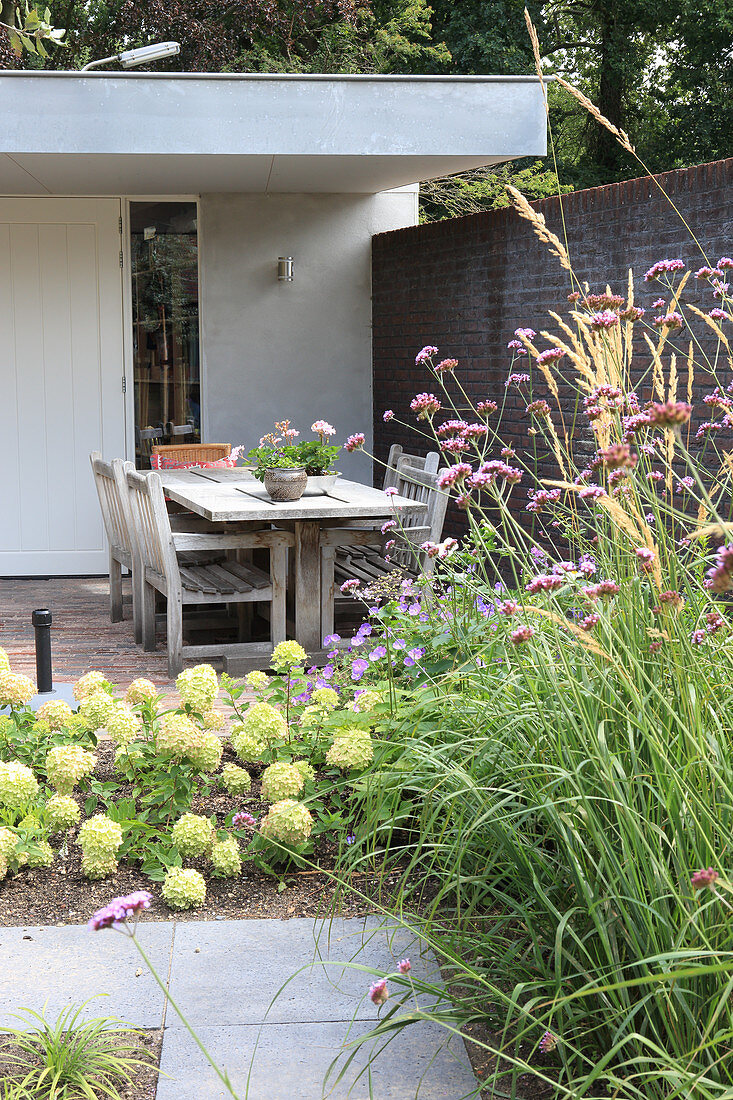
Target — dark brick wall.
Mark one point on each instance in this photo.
(466, 284)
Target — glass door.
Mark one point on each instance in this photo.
(165, 324)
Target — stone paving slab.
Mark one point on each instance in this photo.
(231, 970)
(291, 1061)
(63, 966)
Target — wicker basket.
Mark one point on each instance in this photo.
(192, 452)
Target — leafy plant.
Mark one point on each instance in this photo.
(74, 1058)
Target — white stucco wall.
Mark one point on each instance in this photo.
(299, 350)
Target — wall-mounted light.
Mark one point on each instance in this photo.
(285, 268)
(143, 55)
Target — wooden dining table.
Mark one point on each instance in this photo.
(234, 496)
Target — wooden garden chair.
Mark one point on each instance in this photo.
(111, 485)
(352, 554)
(214, 582)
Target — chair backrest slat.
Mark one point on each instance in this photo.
(421, 485)
(113, 503)
(152, 525)
(398, 460)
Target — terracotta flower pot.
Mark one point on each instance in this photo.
(285, 484)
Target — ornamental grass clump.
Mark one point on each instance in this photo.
(287, 822)
(99, 838)
(226, 859)
(236, 780)
(281, 781)
(63, 813)
(184, 888)
(193, 835)
(67, 765)
(18, 785)
(560, 762)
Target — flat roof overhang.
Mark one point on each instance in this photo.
(100, 133)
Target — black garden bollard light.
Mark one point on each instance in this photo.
(41, 620)
(47, 689)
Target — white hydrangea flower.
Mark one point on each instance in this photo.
(225, 858)
(257, 681)
(287, 654)
(204, 750)
(63, 813)
(18, 785)
(42, 856)
(176, 733)
(307, 772)
(236, 780)
(325, 698)
(281, 781)
(96, 708)
(8, 844)
(15, 690)
(91, 681)
(56, 714)
(213, 719)
(66, 765)
(184, 888)
(198, 686)
(140, 691)
(192, 835)
(99, 839)
(352, 750)
(4, 661)
(288, 822)
(123, 725)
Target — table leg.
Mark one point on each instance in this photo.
(308, 585)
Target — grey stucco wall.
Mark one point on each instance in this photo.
(299, 350)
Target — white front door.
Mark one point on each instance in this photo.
(61, 368)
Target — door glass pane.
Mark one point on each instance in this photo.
(165, 319)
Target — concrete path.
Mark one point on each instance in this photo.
(273, 1001)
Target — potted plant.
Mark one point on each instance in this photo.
(278, 464)
(318, 456)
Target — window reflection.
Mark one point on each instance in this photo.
(165, 315)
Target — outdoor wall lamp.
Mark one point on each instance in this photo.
(130, 59)
(285, 267)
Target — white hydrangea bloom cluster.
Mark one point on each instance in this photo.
(205, 750)
(41, 856)
(140, 691)
(18, 785)
(99, 838)
(56, 714)
(198, 686)
(4, 661)
(287, 654)
(325, 699)
(8, 843)
(236, 780)
(15, 690)
(91, 681)
(365, 702)
(96, 708)
(262, 727)
(175, 734)
(66, 765)
(213, 719)
(193, 835)
(281, 781)
(123, 725)
(288, 822)
(352, 750)
(184, 888)
(307, 772)
(256, 681)
(226, 859)
(63, 813)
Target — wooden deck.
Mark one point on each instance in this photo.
(82, 635)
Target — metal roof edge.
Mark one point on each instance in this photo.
(304, 77)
